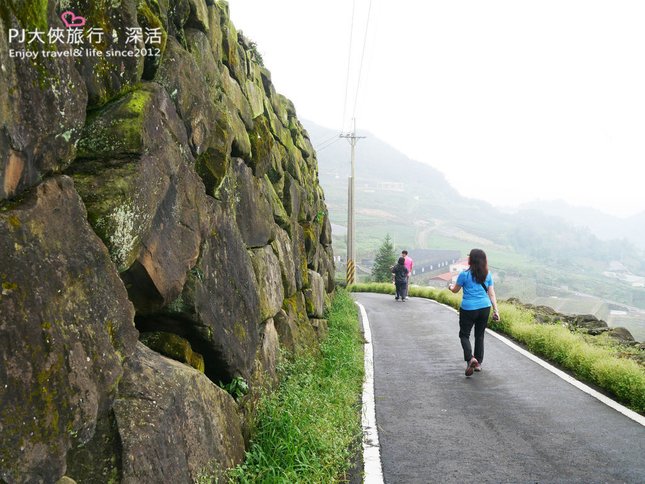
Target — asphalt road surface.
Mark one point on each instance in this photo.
(514, 422)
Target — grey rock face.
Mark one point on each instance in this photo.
(189, 208)
(65, 326)
(189, 423)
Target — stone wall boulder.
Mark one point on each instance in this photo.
(294, 328)
(218, 310)
(253, 210)
(173, 423)
(200, 220)
(143, 196)
(173, 346)
(282, 247)
(269, 353)
(315, 295)
(65, 327)
(187, 87)
(268, 274)
(39, 125)
(107, 77)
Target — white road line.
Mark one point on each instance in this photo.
(568, 378)
(372, 468)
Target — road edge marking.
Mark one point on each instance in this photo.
(372, 466)
(636, 417)
(569, 379)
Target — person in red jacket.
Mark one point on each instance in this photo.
(408, 264)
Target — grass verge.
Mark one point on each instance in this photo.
(598, 363)
(308, 429)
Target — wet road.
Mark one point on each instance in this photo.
(515, 422)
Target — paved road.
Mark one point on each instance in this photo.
(515, 422)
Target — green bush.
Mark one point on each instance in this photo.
(596, 363)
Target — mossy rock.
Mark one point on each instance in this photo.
(299, 256)
(219, 307)
(233, 54)
(173, 422)
(215, 31)
(186, 86)
(143, 195)
(108, 77)
(315, 295)
(212, 166)
(255, 95)
(107, 190)
(295, 332)
(173, 346)
(269, 276)
(253, 210)
(149, 20)
(311, 233)
(234, 98)
(262, 143)
(200, 49)
(42, 105)
(198, 17)
(116, 130)
(276, 171)
(67, 313)
(280, 215)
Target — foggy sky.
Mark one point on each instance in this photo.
(512, 101)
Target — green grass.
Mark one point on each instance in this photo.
(598, 362)
(309, 428)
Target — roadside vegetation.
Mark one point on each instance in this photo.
(309, 428)
(595, 360)
(384, 260)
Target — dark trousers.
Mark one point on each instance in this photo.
(401, 289)
(468, 319)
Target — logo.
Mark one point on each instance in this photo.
(80, 40)
(71, 20)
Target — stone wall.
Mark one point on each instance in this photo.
(171, 200)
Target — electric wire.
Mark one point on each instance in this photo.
(318, 150)
(322, 142)
(360, 68)
(349, 59)
(328, 143)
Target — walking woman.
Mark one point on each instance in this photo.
(400, 279)
(478, 296)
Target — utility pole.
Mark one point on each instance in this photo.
(351, 225)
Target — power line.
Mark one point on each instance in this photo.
(328, 145)
(349, 59)
(320, 143)
(329, 142)
(360, 69)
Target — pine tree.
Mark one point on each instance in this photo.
(385, 259)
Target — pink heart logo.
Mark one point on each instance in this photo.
(70, 19)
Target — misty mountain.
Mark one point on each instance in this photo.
(545, 250)
(395, 186)
(397, 189)
(603, 225)
(376, 161)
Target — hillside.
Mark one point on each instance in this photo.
(535, 253)
(602, 225)
(395, 191)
